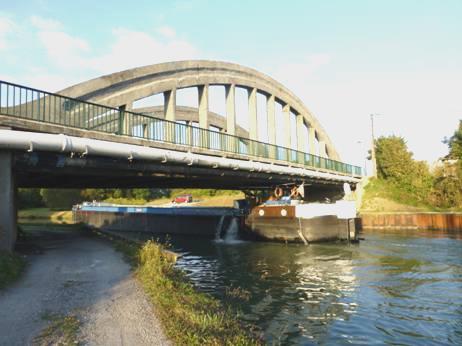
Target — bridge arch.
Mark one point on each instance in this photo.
(123, 88)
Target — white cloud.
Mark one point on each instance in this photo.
(167, 31)
(134, 48)
(63, 49)
(62, 58)
(7, 26)
(45, 24)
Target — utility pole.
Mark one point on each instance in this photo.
(373, 159)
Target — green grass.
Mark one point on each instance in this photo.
(189, 317)
(11, 267)
(62, 330)
(203, 195)
(45, 215)
(126, 201)
(391, 198)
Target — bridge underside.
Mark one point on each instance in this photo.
(42, 169)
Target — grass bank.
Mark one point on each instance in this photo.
(380, 196)
(11, 267)
(189, 317)
(62, 330)
(44, 216)
(201, 197)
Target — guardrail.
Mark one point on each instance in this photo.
(28, 103)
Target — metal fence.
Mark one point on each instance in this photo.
(28, 103)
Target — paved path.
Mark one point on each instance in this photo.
(85, 276)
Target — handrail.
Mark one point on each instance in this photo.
(29, 103)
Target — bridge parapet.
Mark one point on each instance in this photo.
(33, 104)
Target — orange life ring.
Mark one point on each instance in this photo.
(278, 192)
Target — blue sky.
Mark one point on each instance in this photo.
(344, 59)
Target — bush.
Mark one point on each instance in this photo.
(447, 192)
(396, 166)
(29, 198)
(60, 199)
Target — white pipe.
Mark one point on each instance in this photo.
(33, 141)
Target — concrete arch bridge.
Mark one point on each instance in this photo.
(93, 134)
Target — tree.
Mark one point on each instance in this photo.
(447, 192)
(29, 198)
(61, 199)
(396, 166)
(455, 144)
(394, 160)
(141, 194)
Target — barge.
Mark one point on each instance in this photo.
(312, 222)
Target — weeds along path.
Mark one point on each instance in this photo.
(77, 289)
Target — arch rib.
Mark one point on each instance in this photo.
(127, 86)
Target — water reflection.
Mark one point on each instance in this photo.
(393, 288)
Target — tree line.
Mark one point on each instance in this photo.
(413, 182)
(66, 198)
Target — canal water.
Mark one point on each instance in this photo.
(399, 288)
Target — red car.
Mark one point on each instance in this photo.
(183, 199)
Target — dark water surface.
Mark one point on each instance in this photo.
(395, 288)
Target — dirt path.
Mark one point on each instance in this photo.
(85, 276)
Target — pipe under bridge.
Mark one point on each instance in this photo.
(52, 140)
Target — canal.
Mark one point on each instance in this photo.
(393, 288)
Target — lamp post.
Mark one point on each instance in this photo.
(373, 159)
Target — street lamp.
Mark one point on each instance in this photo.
(373, 159)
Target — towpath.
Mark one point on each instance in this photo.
(81, 275)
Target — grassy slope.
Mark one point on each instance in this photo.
(189, 317)
(382, 197)
(201, 197)
(44, 215)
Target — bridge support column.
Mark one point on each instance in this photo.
(271, 116)
(252, 95)
(312, 138)
(203, 93)
(301, 134)
(124, 120)
(169, 114)
(286, 128)
(230, 91)
(170, 105)
(8, 210)
(322, 149)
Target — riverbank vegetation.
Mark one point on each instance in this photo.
(64, 199)
(410, 185)
(44, 216)
(189, 317)
(11, 267)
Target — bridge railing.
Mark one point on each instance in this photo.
(28, 103)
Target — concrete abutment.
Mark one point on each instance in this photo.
(8, 202)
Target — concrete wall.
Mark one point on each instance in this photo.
(8, 207)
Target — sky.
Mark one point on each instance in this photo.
(400, 60)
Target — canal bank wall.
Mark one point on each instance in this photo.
(412, 221)
(172, 220)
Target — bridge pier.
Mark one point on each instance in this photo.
(8, 205)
